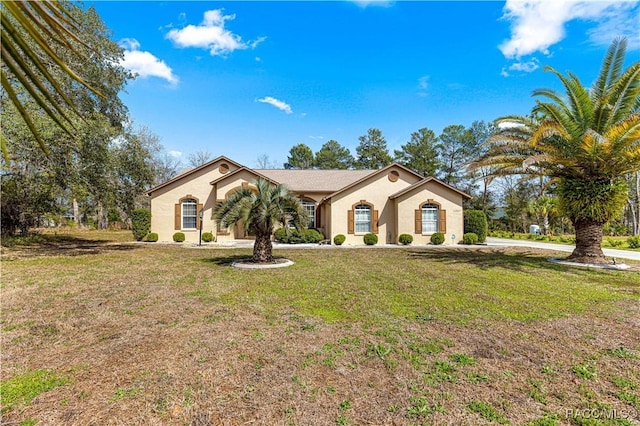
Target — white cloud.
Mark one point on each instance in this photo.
(537, 25)
(423, 85)
(367, 3)
(175, 154)
(212, 35)
(621, 20)
(423, 82)
(521, 67)
(145, 64)
(509, 125)
(528, 66)
(316, 137)
(283, 106)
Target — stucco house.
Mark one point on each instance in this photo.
(391, 201)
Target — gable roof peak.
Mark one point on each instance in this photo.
(188, 172)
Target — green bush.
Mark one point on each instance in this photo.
(207, 237)
(470, 238)
(370, 239)
(152, 237)
(405, 239)
(614, 229)
(313, 235)
(297, 237)
(280, 235)
(339, 239)
(140, 223)
(615, 243)
(178, 237)
(437, 238)
(475, 221)
(634, 242)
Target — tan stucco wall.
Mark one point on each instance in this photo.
(333, 214)
(449, 200)
(375, 190)
(196, 184)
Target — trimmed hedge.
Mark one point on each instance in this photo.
(437, 238)
(634, 242)
(294, 236)
(140, 223)
(179, 237)
(207, 237)
(339, 239)
(476, 221)
(370, 239)
(152, 237)
(405, 239)
(470, 238)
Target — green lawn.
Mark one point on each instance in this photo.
(100, 331)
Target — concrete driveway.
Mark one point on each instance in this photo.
(505, 242)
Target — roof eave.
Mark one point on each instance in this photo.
(189, 172)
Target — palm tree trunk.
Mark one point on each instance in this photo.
(262, 248)
(588, 242)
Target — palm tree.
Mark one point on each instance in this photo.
(543, 207)
(260, 210)
(585, 142)
(28, 28)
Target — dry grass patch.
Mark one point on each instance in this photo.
(149, 334)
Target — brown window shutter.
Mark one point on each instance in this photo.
(318, 221)
(374, 225)
(418, 220)
(177, 217)
(442, 221)
(198, 219)
(350, 222)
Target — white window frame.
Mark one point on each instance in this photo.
(184, 214)
(363, 216)
(430, 225)
(310, 208)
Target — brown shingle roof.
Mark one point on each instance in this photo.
(314, 180)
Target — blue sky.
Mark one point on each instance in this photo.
(248, 79)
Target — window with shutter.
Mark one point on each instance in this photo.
(362, 218)
(429, 218)
(189, 214)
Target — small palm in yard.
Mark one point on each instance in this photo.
(259, 211)
(585, 142)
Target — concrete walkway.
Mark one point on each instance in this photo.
(505, 242)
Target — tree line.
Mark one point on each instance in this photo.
(77, 159)
(445, 156)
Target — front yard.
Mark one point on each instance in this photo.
(119, 333)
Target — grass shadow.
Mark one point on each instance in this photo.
(225, 260)
(60, 245)
(490, 258)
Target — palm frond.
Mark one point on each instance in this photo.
(625, 95)
(580, 106)
(610, 69)
(26, 27)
